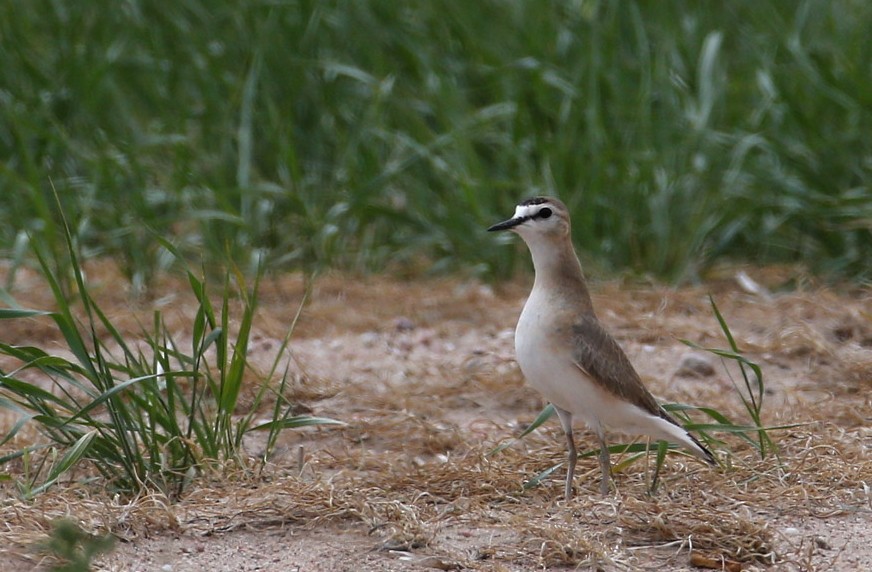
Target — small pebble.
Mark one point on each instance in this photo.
(474, 364)
(369, 339)
(695, 365)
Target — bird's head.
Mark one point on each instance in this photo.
(536, 218)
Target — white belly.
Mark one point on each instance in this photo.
(549, 368)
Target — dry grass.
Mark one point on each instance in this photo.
(406, 503)
(428, 388)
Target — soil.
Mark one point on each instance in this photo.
(423, 375)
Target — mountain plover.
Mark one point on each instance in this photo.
(567, 355)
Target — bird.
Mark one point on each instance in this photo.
(566, 354)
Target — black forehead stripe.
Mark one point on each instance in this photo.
(534, 201)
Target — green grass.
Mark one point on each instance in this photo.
(148, 412)
(366, 135)
(73, 548)
(751, 392)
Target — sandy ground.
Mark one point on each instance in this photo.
(423, 374)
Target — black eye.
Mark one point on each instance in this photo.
(544, 213)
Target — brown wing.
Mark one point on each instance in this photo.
(598, 354)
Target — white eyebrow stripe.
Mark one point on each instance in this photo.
(527, 211)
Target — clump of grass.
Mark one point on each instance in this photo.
(751, 392)
(143, 413)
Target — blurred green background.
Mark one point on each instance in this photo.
(373, 135)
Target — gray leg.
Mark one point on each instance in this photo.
(605, 465)
(566, 422)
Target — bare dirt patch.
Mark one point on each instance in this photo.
(423, 373)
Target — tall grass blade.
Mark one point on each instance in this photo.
(13, 313)
(662, 449)
(537, 480)
(294, 422)
(754, 388)
(543, 416)
(70, 458)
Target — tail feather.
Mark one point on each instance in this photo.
(698, 449)
(707, 455)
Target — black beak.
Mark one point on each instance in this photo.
(507, 224)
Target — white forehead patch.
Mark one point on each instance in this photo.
(522, 211)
